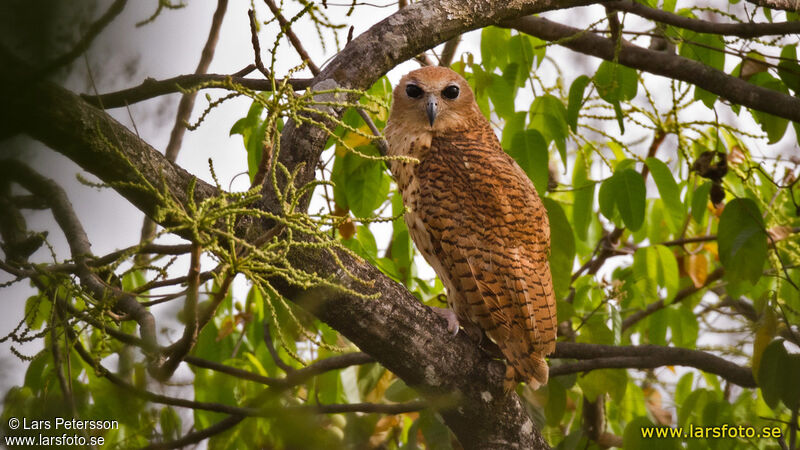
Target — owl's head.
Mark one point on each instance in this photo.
(433, 98)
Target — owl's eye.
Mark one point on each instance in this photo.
(450, 92)
(413, 91)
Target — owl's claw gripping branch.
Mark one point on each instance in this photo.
(450, 317)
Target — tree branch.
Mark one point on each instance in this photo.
(187, 100)
(786, 5)
(593, 356)
(151, 88)
(673, 66)
(199, 435)
(296, 43)
(80, 247)
(743, 30)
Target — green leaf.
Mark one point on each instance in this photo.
(615, 82)
(360, 184)
(624, 192)
(656, 266)
(774, 126)
(549, 117)
(37, 310)
(513, 125)
(690, 410)
(742, 240)
(778, 374)
(170, 423)
(670, 193)
(556, 403)
(402, 253)
(598, 382)
(399, 392)
(708, 98)
(494, 45)
(582, 206)
(789, 69)
(606, 198)
(436, 434)
(529, 150)
(684, 387)
(562, 247)
(520, 51)
(576, 91)
(684, 326)
(705, 48)
(502, 95)
(700, 202)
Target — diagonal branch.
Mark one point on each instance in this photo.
(187, 100)
(669, 65)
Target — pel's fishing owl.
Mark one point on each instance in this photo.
(476, 218)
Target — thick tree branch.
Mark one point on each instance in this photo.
(593, 356)
(786, 5)
(743, 30)
(673, 66)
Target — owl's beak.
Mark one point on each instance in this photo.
(432, 109)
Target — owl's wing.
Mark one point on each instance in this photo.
(491, 235)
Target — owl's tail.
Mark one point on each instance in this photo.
(532, 369)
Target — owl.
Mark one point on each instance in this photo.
(476, 218)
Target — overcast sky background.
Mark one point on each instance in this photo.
(123, 55)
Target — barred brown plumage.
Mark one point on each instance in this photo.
(476, 218)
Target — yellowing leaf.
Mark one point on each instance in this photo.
(711, 247)
(696, 267)
(765, 331)
(353, 140)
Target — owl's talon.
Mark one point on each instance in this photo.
(450, 317)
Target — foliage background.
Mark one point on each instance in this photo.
(615, 154)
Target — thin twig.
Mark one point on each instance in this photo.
(256, 45)
(296, 43)
(191, 315)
